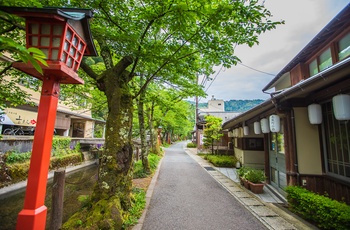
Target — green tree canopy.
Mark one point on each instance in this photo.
(212, 131)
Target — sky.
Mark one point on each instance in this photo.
(303, 20)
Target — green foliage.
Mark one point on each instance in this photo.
(221, 160)
(19, 171)
(77, 147)
(153, 160)
(138, 204)
(242, 171)
(191, 145)
(85, 201)
(32, 55)
(255, 176)
(61, 146)
(16, 157)
(212, 131)
(325, 212)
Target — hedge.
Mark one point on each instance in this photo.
(221, 160)
(323, 211)
(19, 171)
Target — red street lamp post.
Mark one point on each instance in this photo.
(64, 36)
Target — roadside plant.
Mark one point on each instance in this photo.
(191, 145)
(255, 176)
(322, 210)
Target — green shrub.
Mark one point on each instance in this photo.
(60, 144)
(191, 145)
(221, 160)
(138, 204)
(325, 212)
(255, 176)
(153, 161)
(242, 171)
(17, 157)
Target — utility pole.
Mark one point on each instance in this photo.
(196, 120)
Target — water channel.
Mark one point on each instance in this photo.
(79, 182)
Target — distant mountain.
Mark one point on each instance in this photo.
(241, 105)
(235, 105)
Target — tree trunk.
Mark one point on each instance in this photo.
(152, 132)
(144, 151)
(111, 195)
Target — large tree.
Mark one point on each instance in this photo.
(171, 40)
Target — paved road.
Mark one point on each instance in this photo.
(186, 197)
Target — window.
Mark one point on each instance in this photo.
(321, 63)
(337, 139)
(313, 68)
(325, 60)
(344, 47)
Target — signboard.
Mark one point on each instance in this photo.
(12, 116)
(4, 119)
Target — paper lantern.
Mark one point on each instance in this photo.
(246, 130)
(274, 123)
(315, 114)
(264, 124)
(257, 128)
(341, 107)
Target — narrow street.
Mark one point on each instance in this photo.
(186, 197)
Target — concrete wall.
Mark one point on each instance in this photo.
(24, 144)
(254, 159)
(308, 144)
(17, 145)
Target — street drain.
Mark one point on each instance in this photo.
(209, 168)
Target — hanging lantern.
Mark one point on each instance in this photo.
(229, 134)
(315, 114)
(257, 128)
(264, 124)
(341, 107)
(274, 123)
(246, 130)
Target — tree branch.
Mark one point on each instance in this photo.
(110, 19)
(106, 54)
(5, 69)
(150, 23)
(87, 69)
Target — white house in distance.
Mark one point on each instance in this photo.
(216, 107)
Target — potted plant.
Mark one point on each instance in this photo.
(256, 179)
(241, 173)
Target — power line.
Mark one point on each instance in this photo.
(214, 78)
(256, 69)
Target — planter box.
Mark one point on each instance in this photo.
(246, 184)
(256, 188)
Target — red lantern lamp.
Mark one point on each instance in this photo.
(64, 36)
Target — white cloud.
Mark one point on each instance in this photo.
(303, 20)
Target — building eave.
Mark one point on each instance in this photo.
(330, 30)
